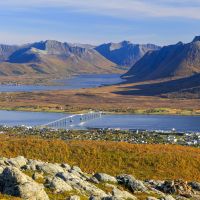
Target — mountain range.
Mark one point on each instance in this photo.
(170, 66)
(175, 68)
(125, 53)
(54, 57)
(173, 61)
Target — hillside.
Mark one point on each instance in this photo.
(142, 161)
(52, 57)
(173, 61)
(125, 53)
(30, 179)
(187, 87)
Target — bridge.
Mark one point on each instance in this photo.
(72, 121)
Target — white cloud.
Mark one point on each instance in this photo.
(119, 8)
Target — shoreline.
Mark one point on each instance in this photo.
(144, 112)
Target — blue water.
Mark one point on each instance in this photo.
(77, 82)
(148, 122)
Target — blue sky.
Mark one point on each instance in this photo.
(97, 21)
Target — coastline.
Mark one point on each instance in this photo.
(136, 112)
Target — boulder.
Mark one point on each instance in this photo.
(75, 197)
(32, 164)
(15, 183)
(1, 169)
(37, 176)
(181, 198)
(93, 180)
(81, 185)
(65, 166)
(102, 177)
(103, 198)
(58, 185)
(77, 169)
(153, 183)
(123, 195)
(168, 197)
(17, 162)
(49, 168)
(3, 161)
(178, 187)
(152, 198)
(131, 183)
(195, 185)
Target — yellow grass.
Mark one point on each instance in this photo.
(142, 161)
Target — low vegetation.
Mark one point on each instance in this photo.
(108, 99)
(142, 161)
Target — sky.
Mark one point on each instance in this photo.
(160, 22)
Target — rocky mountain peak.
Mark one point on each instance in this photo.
(196, 39)
(125, 42)
(178, 60)
(125, 53)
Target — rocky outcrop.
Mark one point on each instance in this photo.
(178, 187)
(44, 179)
(58, 185)
(15, 183)
(131, 183)
(102, 177)
(195, 185)
(80, 184)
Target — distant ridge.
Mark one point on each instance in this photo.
(125, 53)
(52, 57)
(173, 61)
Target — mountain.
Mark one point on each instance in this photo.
(125, 53)
(53, 57)
(173, 61)
(6, 51)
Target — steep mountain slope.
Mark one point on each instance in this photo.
(53, 57)
(125, 53)
(174, 61)
(6, 51)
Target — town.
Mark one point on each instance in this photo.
(116, 135)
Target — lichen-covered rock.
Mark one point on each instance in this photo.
(58, 185)
(74, 197)
(77, 169)
(93, 180)
(65, 166)
(131, 183)
(15, 183)
(18, 162)
(50, 168)
(168, 197)
(1, 169)
(32, 164)
(37, 176)
(81, 185)
(104, 198)
(123, 195)
(102, 177)
(152, 198)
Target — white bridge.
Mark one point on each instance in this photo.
(72, 121)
